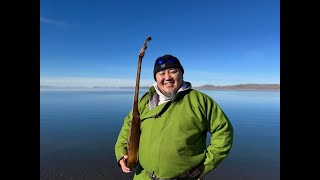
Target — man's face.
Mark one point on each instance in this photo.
(169, 81)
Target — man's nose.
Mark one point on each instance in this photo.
(167, 76)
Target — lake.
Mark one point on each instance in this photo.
(79, 127)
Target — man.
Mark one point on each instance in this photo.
(175, 120)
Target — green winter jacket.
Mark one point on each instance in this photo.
(174, 141)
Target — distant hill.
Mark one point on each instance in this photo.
(241, 87)
(204, 87)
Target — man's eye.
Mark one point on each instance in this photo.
(173, 71)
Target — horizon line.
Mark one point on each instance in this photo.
(147, 86)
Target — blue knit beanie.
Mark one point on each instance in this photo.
(165, 62)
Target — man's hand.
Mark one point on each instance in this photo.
(197, 172)
(123, 162)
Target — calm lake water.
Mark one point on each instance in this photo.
(78, 130)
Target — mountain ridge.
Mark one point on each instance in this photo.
(204, 87)
(240, 87)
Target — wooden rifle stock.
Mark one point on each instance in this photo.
(134, 132)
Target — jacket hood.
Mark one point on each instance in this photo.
(156, 97)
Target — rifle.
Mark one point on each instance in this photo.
(134, 134)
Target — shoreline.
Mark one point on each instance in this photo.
(251, 87)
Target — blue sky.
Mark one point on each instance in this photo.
(219, 42)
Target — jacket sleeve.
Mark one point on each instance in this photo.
(122, 141)
(221, 140)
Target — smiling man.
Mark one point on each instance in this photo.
(175, 120)
(168, 74)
